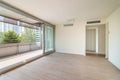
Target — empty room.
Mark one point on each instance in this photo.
(59, 39)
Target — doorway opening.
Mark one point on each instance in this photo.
(96, 39)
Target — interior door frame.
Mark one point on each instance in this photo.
(106, 37)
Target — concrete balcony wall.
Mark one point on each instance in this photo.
(8, 51)
(13, 49)
(35, 46)
(24, 48)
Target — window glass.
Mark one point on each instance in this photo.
(48, 38)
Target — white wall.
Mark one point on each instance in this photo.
(101, 39)
(114, 38)
(71, 39)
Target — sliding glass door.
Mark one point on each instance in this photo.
(49, 38)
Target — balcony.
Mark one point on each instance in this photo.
(9, 62)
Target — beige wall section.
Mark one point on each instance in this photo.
(91, 39)
(101, 39)
(107, 40)
(114, 38)
(71, 39)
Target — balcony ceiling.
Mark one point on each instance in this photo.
(59, 11)
(8, 13)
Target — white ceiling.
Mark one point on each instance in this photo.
(59, 11)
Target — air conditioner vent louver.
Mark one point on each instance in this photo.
(68, 25)
(92, 22)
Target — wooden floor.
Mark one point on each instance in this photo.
(65, 67)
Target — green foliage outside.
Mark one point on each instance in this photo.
(28, 36)
(1, 37)
(11, 37)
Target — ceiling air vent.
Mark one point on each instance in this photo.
(68, 25)
(92, 22)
